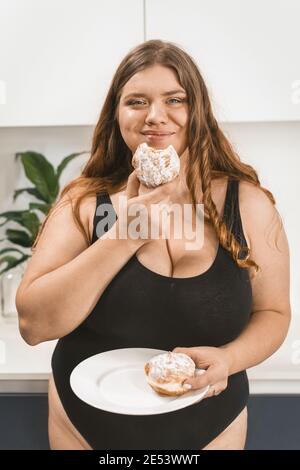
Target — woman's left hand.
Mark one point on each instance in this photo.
(217, 365)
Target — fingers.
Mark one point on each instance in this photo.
(192, 352)
(170, 188)
(211, 369)
(215, 389)
(212, 391)
(133, 184)
(202, 378)
(162, 192)
(210, 378)
(199, 381)
(155, 197)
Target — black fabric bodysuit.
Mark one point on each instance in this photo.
(144, 309)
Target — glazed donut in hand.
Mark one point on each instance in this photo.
(166, 373)
(155, 167)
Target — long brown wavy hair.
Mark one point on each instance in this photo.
(210, 153)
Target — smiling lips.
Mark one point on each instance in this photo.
(157, 134)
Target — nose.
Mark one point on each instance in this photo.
(156, 114)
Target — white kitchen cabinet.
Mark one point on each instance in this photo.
(57, 57)
(248, 52)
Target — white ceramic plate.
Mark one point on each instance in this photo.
(115, 381)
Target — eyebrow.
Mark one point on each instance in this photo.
(167, 93)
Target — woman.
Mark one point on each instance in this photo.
(226, 305)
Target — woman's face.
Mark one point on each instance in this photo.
(154, 108)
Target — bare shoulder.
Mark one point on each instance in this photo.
(252, 196)
(64, 208)
(87, 211)
(269, 249)
(258, 213)
(61, 240)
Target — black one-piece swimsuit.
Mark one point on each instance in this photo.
(144, 309)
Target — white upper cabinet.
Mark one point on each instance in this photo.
(57, 57)
(247, 51)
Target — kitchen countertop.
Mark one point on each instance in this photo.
(25, 368)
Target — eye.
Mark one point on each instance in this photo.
(135, 102)
(138, 102)
(176, 99)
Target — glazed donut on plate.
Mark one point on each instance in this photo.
(155, 167)
(166, 373)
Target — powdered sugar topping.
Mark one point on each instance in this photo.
(155, 167)
(171, 365)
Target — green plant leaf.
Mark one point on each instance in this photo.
(12, 262)
(45, 208)
(65, 162)
(5, 250)
(19, 237)
(15, 216)
(33, 191)
(31, 221)
(25, 218)
(41, 173)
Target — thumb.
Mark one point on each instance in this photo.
(133, 184)
(200, 380)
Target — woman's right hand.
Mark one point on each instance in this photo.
(137, 208)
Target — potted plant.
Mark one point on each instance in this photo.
(45, 189)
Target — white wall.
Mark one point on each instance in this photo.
(273, 149)
(57, 57)
(248, 52)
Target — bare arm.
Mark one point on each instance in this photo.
(65, 278)
(271, 314)
(271, 311)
